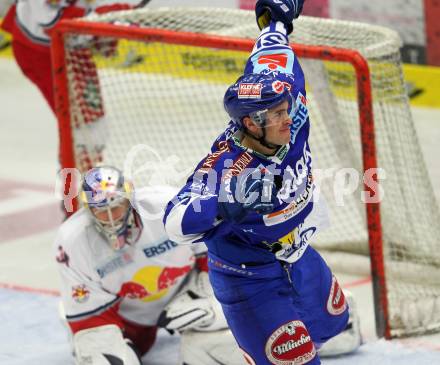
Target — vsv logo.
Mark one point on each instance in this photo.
(267, 40)
(296, 176)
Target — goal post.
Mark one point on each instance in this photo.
(145, 82)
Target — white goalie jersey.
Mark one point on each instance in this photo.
(138, 280)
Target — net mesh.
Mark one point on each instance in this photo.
(153, 109)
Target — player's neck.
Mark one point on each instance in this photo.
(253, 144)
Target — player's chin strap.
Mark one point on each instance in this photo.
(262, 140)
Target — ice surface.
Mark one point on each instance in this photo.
(31, 333)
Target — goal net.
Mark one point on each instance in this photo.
(143, 90)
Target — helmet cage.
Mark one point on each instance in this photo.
(114, 230)
(107, 198)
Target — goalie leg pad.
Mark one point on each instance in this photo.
(103, 345)
(350, 338)
(210, 348)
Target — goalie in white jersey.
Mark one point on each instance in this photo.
(120, 271)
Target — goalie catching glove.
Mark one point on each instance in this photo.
(197, 315)
(194, 307)
(283, 11)
(103, 345)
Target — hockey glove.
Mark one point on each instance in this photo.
(103, 345)
(194, 307)
(283, 11)
(248, 194)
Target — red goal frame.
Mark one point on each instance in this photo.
(364, 99)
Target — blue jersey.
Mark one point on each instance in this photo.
(193, 215)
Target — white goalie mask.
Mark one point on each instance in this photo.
(107, 196)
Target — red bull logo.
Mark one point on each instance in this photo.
(153, 282)
(106, 185)
(103, 189)
(80, 293)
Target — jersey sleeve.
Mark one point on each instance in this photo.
(192, 213)
(272, 54)
(150, 202)
(86, 303)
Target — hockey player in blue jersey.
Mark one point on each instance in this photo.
(251, 201)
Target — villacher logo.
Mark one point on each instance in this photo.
(290, 344)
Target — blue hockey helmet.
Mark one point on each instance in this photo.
(106, 194)
(253, 95)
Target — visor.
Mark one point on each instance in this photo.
(275, 115)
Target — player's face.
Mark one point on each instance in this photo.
(278, 125)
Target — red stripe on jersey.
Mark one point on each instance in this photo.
(110, 316)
